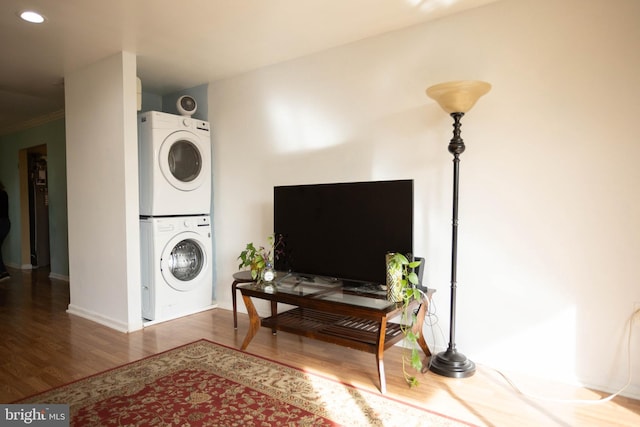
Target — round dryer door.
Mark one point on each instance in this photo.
(183, 261)
(182, 161)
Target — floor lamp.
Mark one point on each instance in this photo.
(456, 98)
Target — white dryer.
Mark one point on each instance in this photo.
(176, 262)
(174, 155)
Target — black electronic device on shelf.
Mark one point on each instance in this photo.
(343, 230)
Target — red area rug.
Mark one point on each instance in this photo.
(207, 384)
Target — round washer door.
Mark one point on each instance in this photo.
(182, 161)
(184, 260)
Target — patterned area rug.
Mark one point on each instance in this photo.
(207, 384)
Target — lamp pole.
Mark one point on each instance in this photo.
(450, 363)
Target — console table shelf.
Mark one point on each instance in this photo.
(348, 331)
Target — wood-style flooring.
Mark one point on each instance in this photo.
(42, 346)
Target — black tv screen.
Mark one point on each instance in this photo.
(343, 230)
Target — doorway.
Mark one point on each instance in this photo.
(34, 206)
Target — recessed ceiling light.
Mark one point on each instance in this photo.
(31, 16)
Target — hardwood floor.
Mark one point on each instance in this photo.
(43, 347)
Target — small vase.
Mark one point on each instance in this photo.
(394, 281)
(268, 273)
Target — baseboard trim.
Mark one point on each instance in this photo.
(633, 391)
(146, 323)
(98, 318)
(59, 277)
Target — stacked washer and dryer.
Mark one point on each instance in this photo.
(174, 155)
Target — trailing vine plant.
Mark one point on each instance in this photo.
(410, 292)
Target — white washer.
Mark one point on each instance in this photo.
(176, 262)
(174, 155)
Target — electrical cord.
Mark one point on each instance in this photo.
(586, 401)
(608, 398)
(431, 320)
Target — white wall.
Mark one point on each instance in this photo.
(549, 208)
(102, 187)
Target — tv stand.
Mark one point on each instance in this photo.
(331, 313)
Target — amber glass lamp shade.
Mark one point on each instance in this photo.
(458, 96)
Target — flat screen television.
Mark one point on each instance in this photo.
(343, 230)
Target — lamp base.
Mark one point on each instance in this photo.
(452, 364)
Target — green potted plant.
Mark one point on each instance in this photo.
(402, 287)
(259, 258)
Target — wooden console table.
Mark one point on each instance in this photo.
(327, 311)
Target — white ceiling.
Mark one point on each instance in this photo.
(179, 43)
